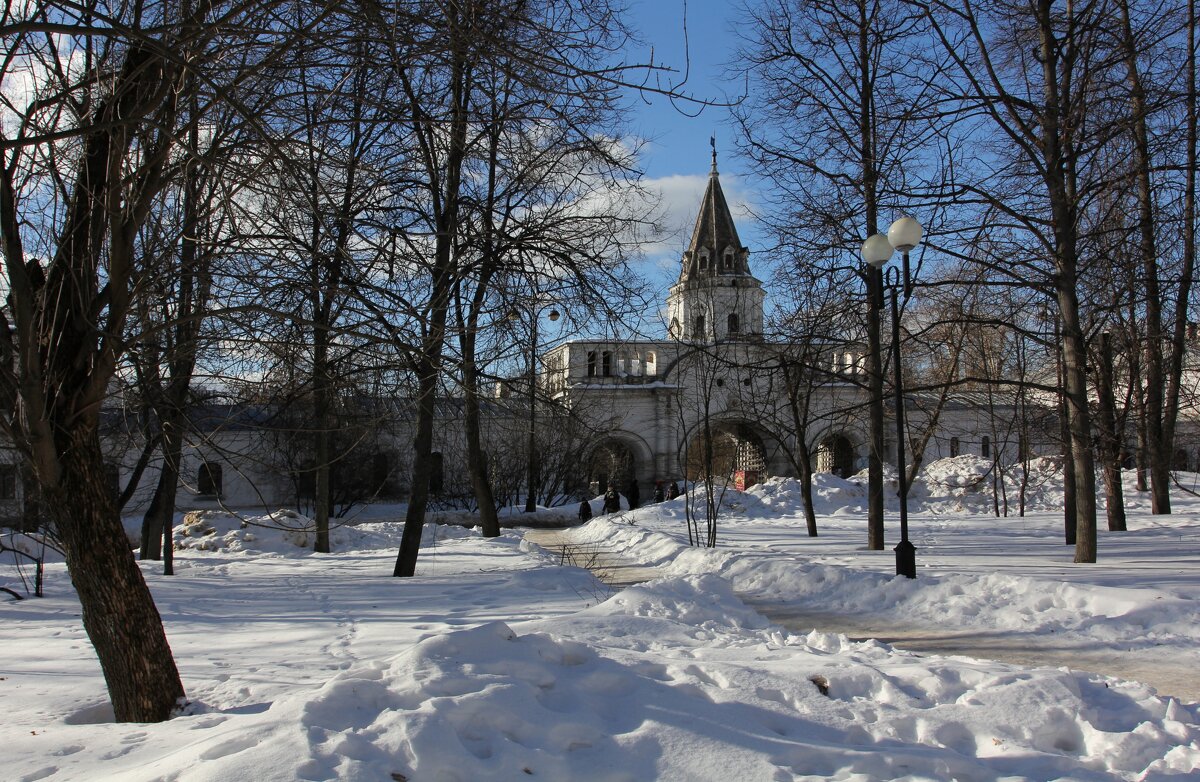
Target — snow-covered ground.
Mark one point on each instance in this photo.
(495, 663)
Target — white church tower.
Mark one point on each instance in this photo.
(716, 297)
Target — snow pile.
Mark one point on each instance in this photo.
(661, 688)
(289, 533)
(495, 663)
(1129, 618)
(972, 484)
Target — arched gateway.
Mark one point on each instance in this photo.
(612, 461)
(735, 448)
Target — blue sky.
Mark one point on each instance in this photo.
(677, 156)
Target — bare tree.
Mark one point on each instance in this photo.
(95, 141)
(833, 126)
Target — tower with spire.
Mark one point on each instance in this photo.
(716, 297)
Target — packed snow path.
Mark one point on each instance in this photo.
(1159, 667)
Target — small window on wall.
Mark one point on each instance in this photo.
(8, 482)
(591, 358)
(651, 364)
(704, 260)
(606, 359)
(985, 449)
(209, 479)
(733, 324)
(954, 446)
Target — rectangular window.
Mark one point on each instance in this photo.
(8, 482)
(437, 475)
(208, 480)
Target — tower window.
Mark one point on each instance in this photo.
(607, 363)
(591, 363)
(699, 326)
(732, 324)
(704, 260)
(727, 261)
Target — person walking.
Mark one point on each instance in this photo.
(585, 512)
(612, 500)
(658, 492)
(633, 494)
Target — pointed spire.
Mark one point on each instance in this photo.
(715, 234)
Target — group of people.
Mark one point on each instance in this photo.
(633, 496)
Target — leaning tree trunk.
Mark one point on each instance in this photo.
(117, 610)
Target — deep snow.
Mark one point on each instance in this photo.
(495, 663)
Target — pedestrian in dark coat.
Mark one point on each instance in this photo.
(612, 500)
(658, 492)
(673, 491)
(585, 511)
(633, 494)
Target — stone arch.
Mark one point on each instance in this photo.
(616, 458)
(835, 454)
(735, 446)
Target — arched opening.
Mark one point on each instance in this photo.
(732, 325)
(735, 447)
(612, 461)
(208, 479)
(699, 332)
(836, 455)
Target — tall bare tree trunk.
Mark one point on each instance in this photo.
(428, 363)
(870, 179)
(1179, 339)
(1110, 438)
(481, 484)
(1158, 448)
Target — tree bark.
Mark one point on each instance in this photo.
(118, 612)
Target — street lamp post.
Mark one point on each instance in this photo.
(903, 235)
(530, 473)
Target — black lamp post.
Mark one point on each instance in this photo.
(903, 235)
(530, 473)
